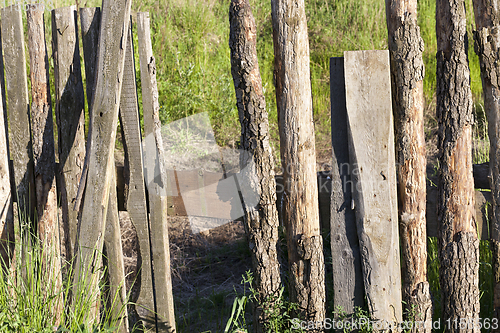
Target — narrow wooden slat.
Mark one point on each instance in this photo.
(135, 199)
(372, 156)
(105, 104)
(18, 108)
(346, 257)
(116, 267)
(157, 199)
(70, 116)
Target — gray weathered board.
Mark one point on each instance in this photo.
(70, 116)
(105, 104)
(372, 157)
(135, 196)
(346, 257)
(16, 81)
(156, 186)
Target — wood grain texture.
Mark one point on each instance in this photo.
(70, 104)
(346, 257)
(16, 81)
(297, 143)
(372, 156)
(105, 105)
(407, 72)
(457, 242)
(157, 187)
(135, 196)
(42, 129)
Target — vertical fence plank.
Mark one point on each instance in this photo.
(457, 242)
(16, 81)
(346, 257)
(372, 156)
(104, 105)
(70, 116)
(42, 129)
(116, 268)
(157, 199)
(135, 199)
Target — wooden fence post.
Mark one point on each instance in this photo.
(44, 154)
(300, 198)
(18, 109)
(135, 198)
(256, 161)
(458, 243)
(346, 256)
(157, 200)
(372, 156)
(70, 116)
(105, 104)
(407, 72)
(487, 47)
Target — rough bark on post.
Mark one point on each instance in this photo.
(135, 198)
(407, 71)
(300, 198)
(256, 161)
(18, 109)
(157, 184)
(458, 243)
(487, 47)
(105, 104)
(69, 109)
(42, 129)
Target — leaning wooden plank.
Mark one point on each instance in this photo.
(105, 104)
(487, 40)
(18, 109)
(157, 199)
(42, 129)
(346, 257)
(135, 200)
(116, 268)
(70, 103)
(372, 156)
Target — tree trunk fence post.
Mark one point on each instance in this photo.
(256, 161)
(157, 184)
(458, 243)
(487, 47)
(299, 204)
(407, 71)
(104, 105)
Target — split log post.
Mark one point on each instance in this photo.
(42, 129)
(157, 186)
(372, 157)
(16, 80)
(457, 242)
(407, 72)
(135, 197)
(70, 104)
(256, 160)
(346, 257)
(105, 104)
(487, 47)
(298, 156)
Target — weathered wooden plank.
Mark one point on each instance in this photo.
(346, 257)
(135, 197)
(298, 158)
(104, 105)
(16, 80)
(116, 267)
(157, 199)
(42, 129)
(70, 104)
(372, 156)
